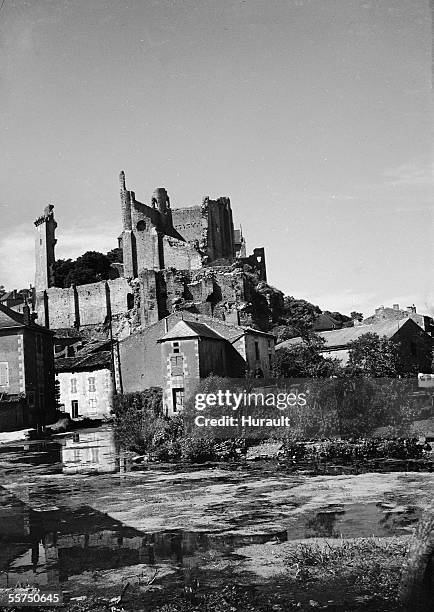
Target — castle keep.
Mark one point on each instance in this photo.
(189, 259)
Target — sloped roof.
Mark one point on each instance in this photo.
(289, 343)
(259, 332)
(190, 329)
(11, 318)
(342, 337)
(93, 361)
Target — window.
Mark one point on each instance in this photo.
(74, 409)
(91, 381)
(176, 366)
(130, 301)
(178, 399)
(31, 399)
(4, 374)
(175, 347)
(92, 405)
(257, 351)
(73, 385)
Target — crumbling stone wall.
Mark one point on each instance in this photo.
(173, 259)
(209, 228)
(85, 305)
(190, 223)
(226, 293)
(180, 255)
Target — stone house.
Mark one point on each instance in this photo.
(27, 389)
(397, 314)
(85, 381)
(414, 344)
(177, 351)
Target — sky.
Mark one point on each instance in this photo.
(314, 116)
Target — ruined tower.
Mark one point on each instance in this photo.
(127, 239)
(45, 242)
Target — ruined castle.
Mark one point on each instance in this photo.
(173, 259)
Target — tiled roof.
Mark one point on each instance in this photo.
(289, 343)
(259, 332)
(10, 318)
(190, 329)
(93, 361)
(342, 337)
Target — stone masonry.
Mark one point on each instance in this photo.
(188, 259)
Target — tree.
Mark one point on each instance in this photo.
(298, 316)
(2, 290)
(62, 270)
(374, 357)
(88, 268)
(115, 255)
(304, 360)
(356, 316)
(337, 316)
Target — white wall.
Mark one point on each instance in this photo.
(102, 396)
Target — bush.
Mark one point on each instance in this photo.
(140, 425)
(197, 450)
(294, 452)
(350, 451)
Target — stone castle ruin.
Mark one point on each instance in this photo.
(173, 259)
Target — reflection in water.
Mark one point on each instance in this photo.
(354, 520)
(90, 452)
(46, 548)
(45, 544)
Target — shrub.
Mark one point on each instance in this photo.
(294, 452)
(139, 422)
(197, 450)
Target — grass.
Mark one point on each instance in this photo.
(356, 571)
(327, 553)
(340, 575)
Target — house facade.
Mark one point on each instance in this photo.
(85, 382)
(184, 347)
(415, 346)
(396, 313)
(27, 383)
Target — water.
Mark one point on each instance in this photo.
(73, 516)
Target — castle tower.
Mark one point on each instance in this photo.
(128, 245)
(160, 200)
(45, 242)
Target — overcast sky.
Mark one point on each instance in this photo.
(314, 116)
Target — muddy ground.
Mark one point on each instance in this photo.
(249, 538)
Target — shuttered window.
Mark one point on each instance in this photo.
(176, 366)
(4, 374)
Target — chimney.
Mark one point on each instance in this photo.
(26, 314)
(396, 307)
(379, 309)
(411, 309)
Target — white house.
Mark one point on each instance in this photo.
(85, 380)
